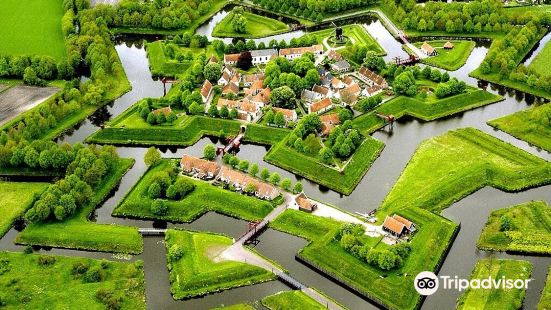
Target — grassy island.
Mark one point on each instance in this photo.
(459, 163)
(196, 269)
(522, 228)
(451, 59)
(532, 125)
(291, 300)
(203, 198)
(15, 199)
(496, 298)
(393, 288)
(33, 281)
(545, 300)
(78, 232)
(256, 26)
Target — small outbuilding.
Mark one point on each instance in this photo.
(305, 204)
(428, 49)
(448, 45)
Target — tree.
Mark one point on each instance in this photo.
(159, 207)
(286, 184)
(279, 119)
(264, 174)
(224, 112)
(297, 188)
(239, 22)
(209, 152)
(283, 97)
(154, 190)
(254, 170)
(212, 71)
(326, 155)
(245, 61)
(250, 188)
(311, 123)
(275, 178)
(213, 111)
(505, 223)
(243, 165)
(269, 117)
(373, 61)
(234, 161)
(233, 113)
(152, 156)
(405, 84)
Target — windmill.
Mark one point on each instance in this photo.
(337, 33)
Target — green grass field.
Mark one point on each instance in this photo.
(425, 109)
(394, 288)
(32, 281)
(31, 28)
(542, 62)
(357, 34)
(495, 298)
(311, 168)
(236, 307)
(291, 300)
(204, 198)
(532, 125)
(449, 59)
(78, 232)
(15, 199)
(448, 167)
(162, 65)
(545, 300)
(257, 27)
(196, 273)
(530, 231)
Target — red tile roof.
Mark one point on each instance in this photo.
(206, 89)
(320, 105)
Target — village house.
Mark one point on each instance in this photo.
(328, 122)
(320, 106)
(199, 168)
(262, 98)
(246, 110)
(322, 91)
(250, 79)
(295, 52)
(212, 59)
(371, 78)
(206, 91)
(337, 84)
(302, 203)
(227, 75)
(263, 56)
(350, 94)
(341, 66)
(166, 111)
(333, 55)
(240, 181)
(398, 226)
(310, 96)
(289, 115)
(428, 49)
(255, 88)
(372, 91)
(230, 88)
(231, 59)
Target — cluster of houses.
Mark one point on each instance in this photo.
(265, 55)
(398, 225)
(208, 170)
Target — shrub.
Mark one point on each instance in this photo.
(93, 275)
(46, 260)
(79, 268)
(159, 207)
(505, 223)
(154, 190)
(175, 253)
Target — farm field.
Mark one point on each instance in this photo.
(467, 160)
(388, 288)
(78, 232)
(449, 59)
(291, 300)
(31, 28)
(522, 228)
(137, 204)
(496, 298)
(15, 199)
(257, 26)
(195, 270)
(532, 125)
(33, 281)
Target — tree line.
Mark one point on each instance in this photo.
(312, 9)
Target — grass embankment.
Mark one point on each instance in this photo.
(496, 298)
(32, 28)
(257, 27)
(32, 281)
(449, 59)
(291, 300)
(356, 34)
(542, 62)
(532, 125)
(15, 199)
(78, 232)
(204, 198)
(529, 229)
(545, 300)
(539, 10)
(393, 289)
(197, 272)
(160, 64)
(130, 129)
(448, 167)
(311, 168)
(425, 109)
(236, 307)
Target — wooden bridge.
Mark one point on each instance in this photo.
(152, 231)
(387, 119)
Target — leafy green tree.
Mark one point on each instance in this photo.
(212, 71)
(275, 178)
(159, 207)
(234, 161)
(254, 170)
(286, 184)
(154, 190)
(244, 165)
(283, 97)
(297, 188)
(152, 156)
(209, 152)
(264, 174)
(279, 119)
(405, 84)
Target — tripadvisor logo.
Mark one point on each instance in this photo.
(427, 283)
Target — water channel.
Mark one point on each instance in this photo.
(471, 212)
